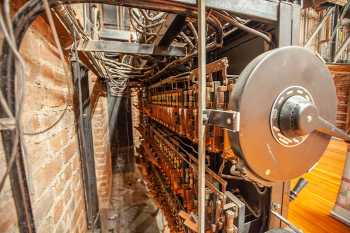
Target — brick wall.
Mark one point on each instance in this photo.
(52, 160)
(341, 76)
(103, 163)
(7, 206)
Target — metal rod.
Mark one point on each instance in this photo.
(284, 220)
(319, 27)
(201, 108)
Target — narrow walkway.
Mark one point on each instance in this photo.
(133, 207)
(311, 210)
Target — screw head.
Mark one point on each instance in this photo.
(309, 119)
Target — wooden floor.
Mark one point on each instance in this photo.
(311, 210)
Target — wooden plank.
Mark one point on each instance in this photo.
(311, 210)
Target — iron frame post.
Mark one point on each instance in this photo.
(82, 112)
(201, 108)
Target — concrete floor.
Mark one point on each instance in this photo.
(134, 210)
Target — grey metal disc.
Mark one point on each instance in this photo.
(256, 90)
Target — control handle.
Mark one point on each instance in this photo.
(300, 185)
(328, 128)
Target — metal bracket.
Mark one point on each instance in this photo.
(128, 48)
(223, 119)
(239, 211)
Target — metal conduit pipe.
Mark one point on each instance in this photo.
(243, 27)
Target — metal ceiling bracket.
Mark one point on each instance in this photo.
(266, 10)
(128, 48)
(223, 119)
(118, 35)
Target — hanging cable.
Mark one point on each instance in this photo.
(9, 37)
(65, 68)
(243, 27)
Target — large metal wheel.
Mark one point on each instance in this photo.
(266, 140)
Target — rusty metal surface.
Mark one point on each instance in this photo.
(181, 171)
(173, 103)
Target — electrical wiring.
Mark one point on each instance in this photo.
(241, 26)
(9, 36)
(19, 83)
(118, 76)
(5, 105)
(20, 88)
(139, 23)
(152, 18)
(41, 131)
(10, 164)
(17, 153)
(57, 41)
(193, 29)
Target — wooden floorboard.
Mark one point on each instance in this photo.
(311, 210)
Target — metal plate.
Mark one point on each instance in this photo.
(274, 118)
(256, 90)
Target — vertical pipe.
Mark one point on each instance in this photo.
(201, 107)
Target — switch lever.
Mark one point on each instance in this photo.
(328, 128)
(293, 194)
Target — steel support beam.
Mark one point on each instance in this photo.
(170, 29)
(288, 34)
(288, 24)
(202, 53)
(81, 101)
(254, 9)
(128, 48)
(119, 35)
(261, 10)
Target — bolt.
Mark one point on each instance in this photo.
(276, 206)
(205, 118)
(309, 119)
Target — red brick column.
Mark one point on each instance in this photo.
(101, 140)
